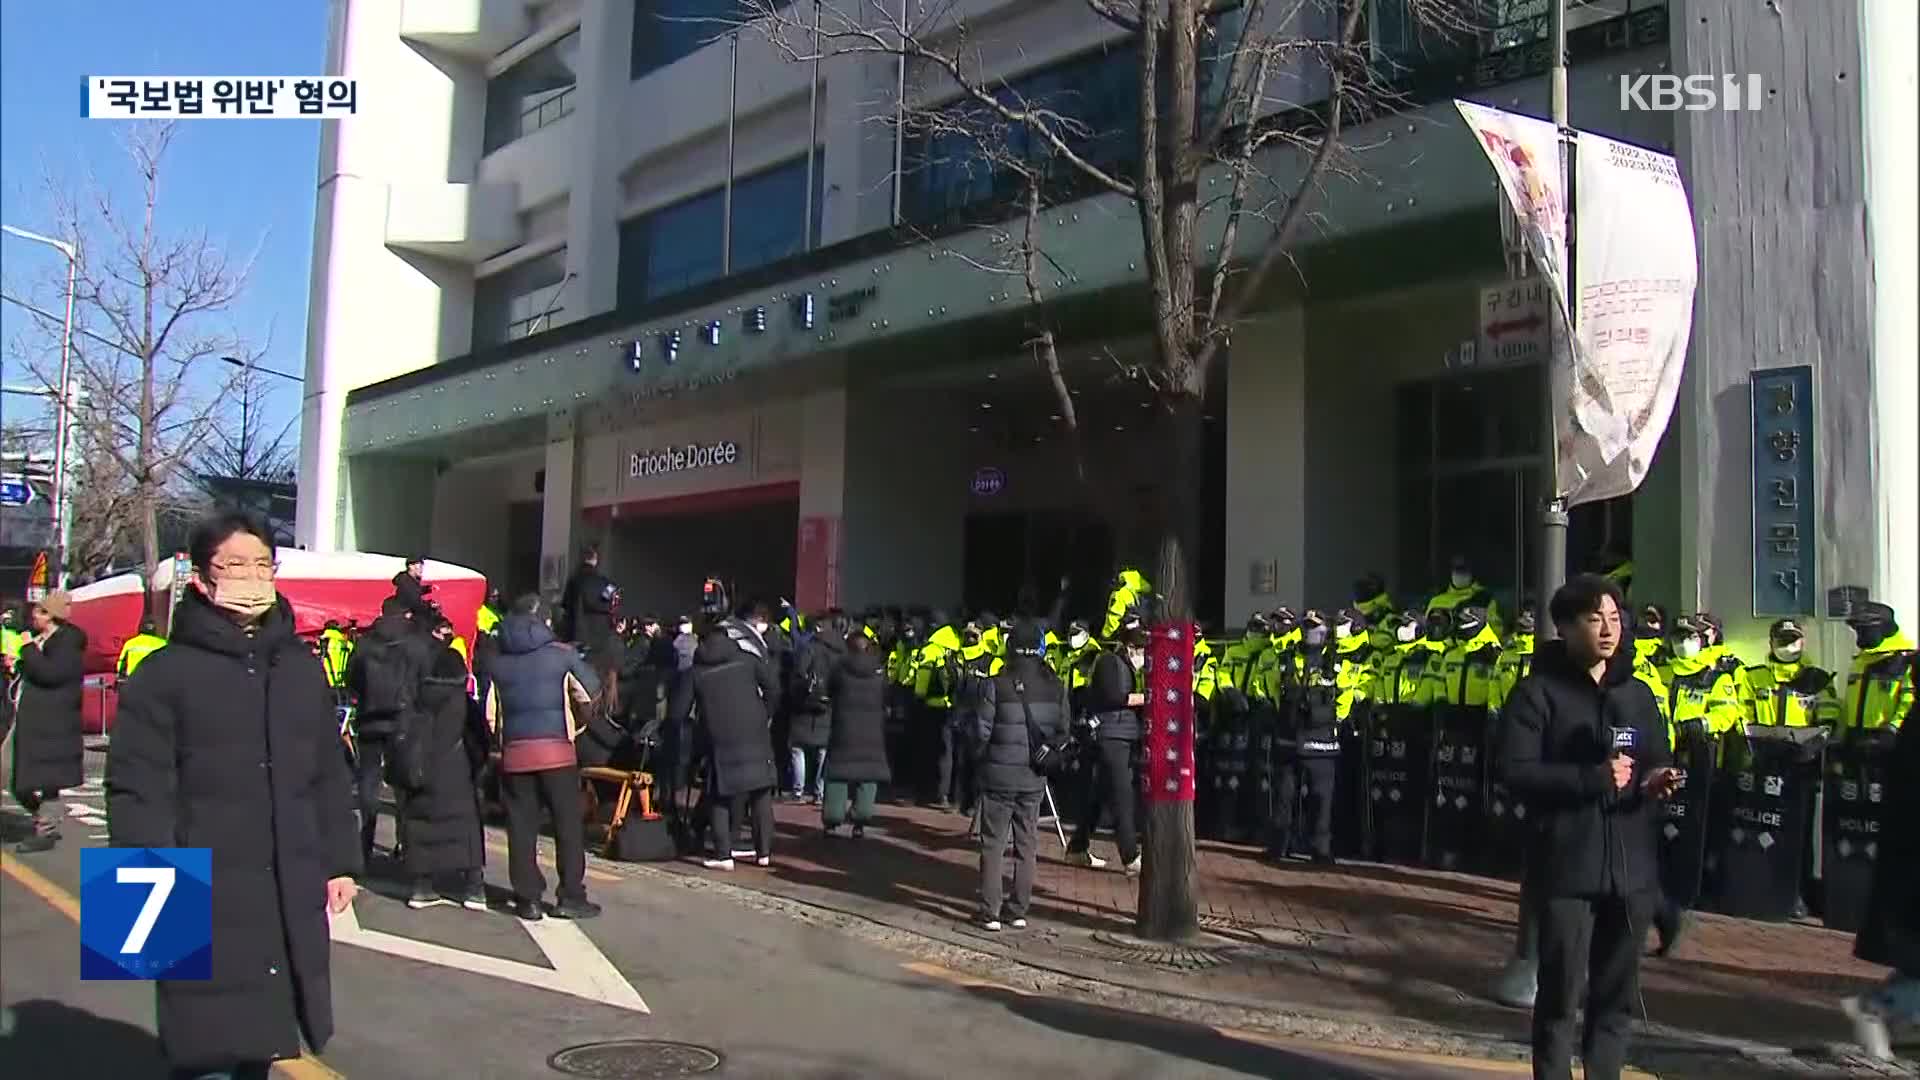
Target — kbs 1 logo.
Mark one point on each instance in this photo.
(1690, 93)
(146, 913)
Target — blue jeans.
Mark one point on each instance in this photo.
(1898, 999)
(808, 765)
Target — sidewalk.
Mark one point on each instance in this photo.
(1382, 942)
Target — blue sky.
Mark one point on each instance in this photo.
(247, 183)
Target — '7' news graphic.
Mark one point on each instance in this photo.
(146, 913)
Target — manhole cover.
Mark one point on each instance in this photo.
(634, 1059)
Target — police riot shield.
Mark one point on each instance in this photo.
(1508, 825)
(1764, 853)
(1456, 813)
(1856, 784)
(1350, 787)
(1683, 828)
(1398, 760)
(1259, 787)
(1207, 728)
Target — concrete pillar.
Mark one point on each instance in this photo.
(375, 312)
(593, 206)
(1889, 86)
(558, 508)
(823, 487)
(1780, 202)
(1266, 465)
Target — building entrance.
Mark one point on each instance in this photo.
(1014, 562)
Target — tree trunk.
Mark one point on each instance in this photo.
(1169, 901)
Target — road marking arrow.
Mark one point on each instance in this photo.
(579, 967)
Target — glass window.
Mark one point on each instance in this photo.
(537, 91)
(678, 247)
(947, 169)
(666, 30)
(522, 300)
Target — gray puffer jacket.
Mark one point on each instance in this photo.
(1001, 744)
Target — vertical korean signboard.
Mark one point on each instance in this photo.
(1784, 577)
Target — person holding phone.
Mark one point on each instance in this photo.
(1586, 747)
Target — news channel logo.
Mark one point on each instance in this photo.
(1690, 93)
(217, 97)
(146, 913)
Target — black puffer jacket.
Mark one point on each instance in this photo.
(999, 728)
(730, 699)
(1112, 672)
(857, 746)
(442, 819)
(48, 751)
(1559, 735)
(399, 636)
(811, 711)
(228, 741)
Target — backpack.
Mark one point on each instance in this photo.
(390, 684)
(1109, 684)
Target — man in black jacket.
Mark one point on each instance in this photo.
(587, 602)
(411, 589)
(1024, 699)
(384, 677)
(1114, 693)
(1586, 747)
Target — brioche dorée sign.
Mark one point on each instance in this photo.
(688, 458)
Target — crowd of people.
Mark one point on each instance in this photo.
(732, 706)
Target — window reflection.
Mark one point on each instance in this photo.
(524, 299)
(666, 30)
(678, 247)
(537, 91)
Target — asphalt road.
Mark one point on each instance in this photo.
(483, 997)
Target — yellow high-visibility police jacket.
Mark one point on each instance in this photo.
(137, 649)
(1798, 694)
(1880, 686)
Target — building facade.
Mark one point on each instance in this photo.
(613, 274)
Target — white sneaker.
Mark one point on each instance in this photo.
(1869, 1029)
(1132, 869)
(990, 925)
(717, 864)
(764, 860)
(1085, 858)
(1017, 924)
(743, 853)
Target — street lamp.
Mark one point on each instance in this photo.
(248, 365)
(63, 417)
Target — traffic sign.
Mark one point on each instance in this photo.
(1515, 323)
(15, 491)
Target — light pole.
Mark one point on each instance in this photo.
(63, 416)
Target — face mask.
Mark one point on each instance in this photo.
(1136, 656)
(686, 628)
(1461, 579)
(759, 626)
(1343, 631)
(248, 598)
(1079, 640)
(1687, 648)
(1789, 653)
(1315, 637)
(1406, 634)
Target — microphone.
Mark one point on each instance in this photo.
(1625, 740)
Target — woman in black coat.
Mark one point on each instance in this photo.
(730, 698)
(226, 739)
(1891, 933)
(809, 707)
(441, 820)
(857, 744)
(48, 750)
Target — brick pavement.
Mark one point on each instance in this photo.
(1382, 941)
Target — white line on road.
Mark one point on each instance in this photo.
(579, 968)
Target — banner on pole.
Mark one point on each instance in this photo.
(1636, 268)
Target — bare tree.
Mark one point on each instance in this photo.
(149, 334)
(1288, 77)
(246, 444)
